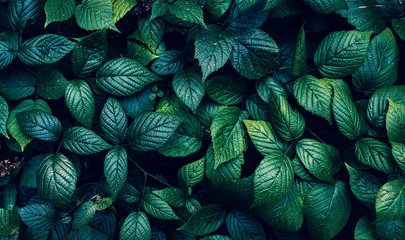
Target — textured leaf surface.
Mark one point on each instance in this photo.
(4, 111)
(188, 11)
(136, 226)
(364, 15)
(299, 65)
(7, 54)
(257, 108)
(59, 10)
(95, 14)
(326, 6)
(51, 83)
(17, 84)
(56, 180)
(399, 26)
(168, 63)
(38, 216)
(241, 226)
(267, 85)
(21, 11)
(83, 214)
(40, 125)
(83, 141)
(187, 84)
(190, 174)
(340, 53)
(116, 169)
(398, 151)
(121, 7)
(80, 101)
(10, 222)
(396, 122)
(389, 201)
(151, 32)
(226, 90)
(391, 230)
(157, 208)
(365, 229)
(172, 196)
(113, 121)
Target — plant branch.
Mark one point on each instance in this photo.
(315, 135)
(150, 175)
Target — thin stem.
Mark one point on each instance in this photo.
(150, 175)
(60, 144)
(143, 188)
(314, 134)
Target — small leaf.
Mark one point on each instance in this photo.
(51, 83)
(188, 11)
(226, 90)
(113, 121)
(326, 6)
(80, 101)
(83, 215)
(191, 174)
(59, 10)
(396, 122)
(4, 111)
(187, 84)
(157, 208)
(95, 14)
(40, 125)
(388, 204)
(136, 226)
(299, 65)
(83, 141)
(7, 54)
(116, 169)
(242, 226)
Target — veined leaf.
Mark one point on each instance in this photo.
(364, 15)
(159, 8)
(399, 26)
(365, 228)
(40, 125)
(398, 151)
(168, 63)
(38, 216)
(216, 9)
(267, 85)
(121, 7)
(151, 32)
(3, 117)
(206, 112)
(51, 83)
(17, 84)
(124, 77)
(113, 121)
(396, 122)
(326, 6)
(257, 108)
(116, 169)
(56, 180)
(95, 14)
(391, 230)
(188, 11)
(83, 141)
(80, 101)
(172, 196)
(340, 53)
(187, 84)
(59, 10)
(136, 226)
(242, 226)
(226, 90)
(157, 208)
(8, 54)
(299, 65)
(138, 103)
(21, 11)
(10, 222)
(191, 174)
(83, 214)
(389, 201)
(252, 18)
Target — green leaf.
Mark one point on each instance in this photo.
(365, 229)
(364, 15)
(124, 77)
(228, 135)
(157, 208)
(301, 171)
(315, 95)
(216, 9)
(80, 102)
(4, 111)
(213, 47)
(326, 6)
(168, 63)
(399, 27)
(190, 175)
(206, 112)
(172, 196)
(263, 137)
(267, 85)
(40, 125)
(273, 179)
(104, 203)
(151, 31)
(391, 230)
(364, 186)
(380, 68)
(19, 12)
(51, 83)
(12, 123)
(129, 194)
(226, 90)
(83, 214)
(17, 84)
(257, 108)
(288, 124)
(327, 209)
(95, 14)
(241, 226)
(7, 54)
(136, 226)
(122, 7)
(59, 10)
(113, 121)
(83, 141)
(89, 53)
(159, 8)
(287, 214)
(389, 201)
(378, 103)
(10, 222)
(188, 11)
(9, 196)
(299, 65)
(216, 237)
(396, 122)
(188, 87)
(340, 53)
(44, 49)
(151, 130)
(398, 151)
(345, 112)
(206, 220)
(116, 169)
(375, 154)
(254, 54)
(38, 216)
(56, 180)
(316, 158)
(138, 103)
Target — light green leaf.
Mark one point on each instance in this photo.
(299, 65)
(83, 214)
(396, 122)
(38, 216)
(44, 49)
(83, 141)
(56, 180)
(124, 77)
(51, 83)
(113, 121)
(188, 87)
(10, 222)
(151, 130)
(3, 117)
(340, 53)
(326, 6)
(273, 179)
(228, 135)
(172, 196)
(254, 54)
(365, 15)
(327, 209)
(116, 169)
(136, 226)
(399, 27)
(315, 95)
(40, 125)
(188, 11)
(17, 84)
(216, 9)
(206, 220)
(168, 63)
(380, 68)
(95, 14)
(190, 175)
(389, 201)
(316, 158)
(242, 226)
(8, 54)
(59, 10)
(391, 230)
(151, 32)
(226, 90)
(213, 47)
(80, 101)
(375, 154)
(365, 228)
(157, 208)
(89, 53)
(122, 7)
(19, 12)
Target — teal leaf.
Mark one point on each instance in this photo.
(226, 90)
(156, 207)
(241, 226)
(188, 87)
(17, 84)
(151, 31)
(80, 102)
(190, 175)
(136, 226)
(59, 10)
(365, 228)
(326, 6)
(216, 9)
(364, 15)
(116, 169)
(299, 65)
(95, 14)
(187, 11)
(398, 151)
(4, 111)
(19, 12)
(399, 27)
(113, 121)
(38, 216)
(391, 230)
(168, 63)
(83, 141)
(83, 214)
(389, 201)
(171, 195)
(395, 122)
(7, 54)
(267, 85)
(10, 222)
(51, 83)
(257, 108)
(40, 125)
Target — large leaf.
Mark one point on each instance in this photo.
(340, 53)
(116, 169)
(80, 101)
(228, 134)
(315, 95)
(365, 229)
(273, 179)
(83, 141)
(136, 226)
(156, 207)
(389, 201)
(121, 7)
(380, 68)
(83, 215)
(226, 90)
(59, 10)
(216, 9)
(151, 130)
(44, 49)
(242, 226)
(38, 216)
(138, 103)
(391, 230)
(95, 15)
(205, 220)
(124, 77)
(113, 121)
(365, 15)
(375, 154)
(17, 84)
(327, 209)
(213, 47)
(3, 117)
(267, 85)
(151, 32)
(51, 83)
(56, 180)
(21, 11)
(187, 84)
(396, 122)
(40, 125)
(326, 6)
(254, 54)
(188, 11)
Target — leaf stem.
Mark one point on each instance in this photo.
(314, 134)
(148, 174)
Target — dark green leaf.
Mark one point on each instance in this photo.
(389, 201)
(136, 226)
(266, 85)
(80, 101)
(216, 9)
(206, 112)
(83, 215)
(116, 169)
(40, 125)
(187, 84)
(151, 32)
(299, 65)
(17, 84)
(257, 108)
(365, 229)
(364, 15)
(10, 222)
(168, 63)
(59, 10)
(399, 26)
(157, 208)
(396, 122)
(188, 11)
(83, 141)
(95, 14)
(326, 6)
(7, 54)
(191, 174)
(398, 151)
(20, 11)
(226, 90)
(242, 226)
(51, 83)
(38, 216)
(138, 103)
(391, 230)
(172, 196)
(113, 121)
